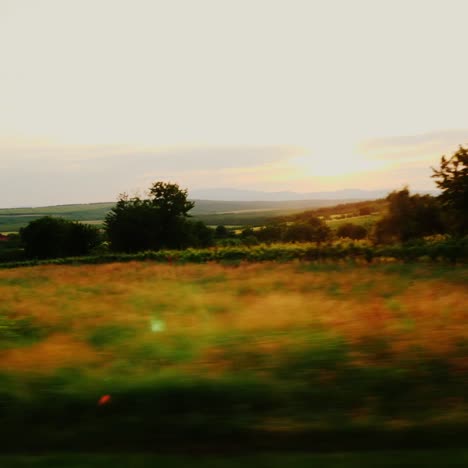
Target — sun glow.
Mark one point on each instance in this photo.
(335, 160)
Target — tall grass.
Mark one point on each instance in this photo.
(352, 355)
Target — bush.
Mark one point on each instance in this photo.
(352, 231)
(221, 232)
(270, 233)
(200, 235)
(312, 230)
(49, 237)
(451, 250)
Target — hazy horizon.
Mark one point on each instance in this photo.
(245, 196)
(100, 97)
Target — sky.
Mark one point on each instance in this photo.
(100, 97)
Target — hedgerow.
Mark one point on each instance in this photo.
(446, 250)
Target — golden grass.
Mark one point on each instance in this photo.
(58, 351)
(271, 303)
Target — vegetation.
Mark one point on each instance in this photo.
(453, 250)
(342, 210)
(311, 229)
(409, 217)
(351, 357)
(357, 339)
(160, 221)
(452, 179)
(351, 231)
(211, 212)
(11, 248)
(426, 458)
(13, 219)
(49, 237)
(157, 222)
(367, 221)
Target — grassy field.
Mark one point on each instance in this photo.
(427, 459)
(12, 219)
(298, 356)
(209, 211)
(367, 221)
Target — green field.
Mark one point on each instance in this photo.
(366, 220)
(12, 219)
(293, 356)
(209, 211)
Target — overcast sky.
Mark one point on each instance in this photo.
(98, 97)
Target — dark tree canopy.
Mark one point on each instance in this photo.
(313, 229)
(352, 231)
(49, 237)
(200, 235)
(171, 201)
(452, 179)
(270, 233)
(221, 232)
(307, 229)
(409, 217)
(157, 222)
(132, 225)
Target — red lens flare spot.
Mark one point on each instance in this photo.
(104, 400)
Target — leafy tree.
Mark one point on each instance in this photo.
(297, 232)
(221, 232)
(248, 236)
(452, 179)
(249, 240)
(82, 239)
(409, 217)
(49, 237)
(132, 225)
(11, 249)
(157, 222)
(247, 232)
(311, 230)
(270, 233)
(200, 234)
(352, 231)
(170, 200)
(320, 232)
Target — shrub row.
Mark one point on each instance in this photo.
(451, 250)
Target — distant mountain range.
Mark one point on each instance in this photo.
(231, 194)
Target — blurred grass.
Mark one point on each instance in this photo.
(351, 356)
(15, 332)
(426, 459)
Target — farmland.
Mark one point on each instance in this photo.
(209, 211)
(364, 220)
(260, 355)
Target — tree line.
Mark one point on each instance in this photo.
(161, 221)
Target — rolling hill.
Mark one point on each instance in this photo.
(212, 212)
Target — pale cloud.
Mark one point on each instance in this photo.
(423, 146)
(43, 174)
(101, 97)
(40, 172)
